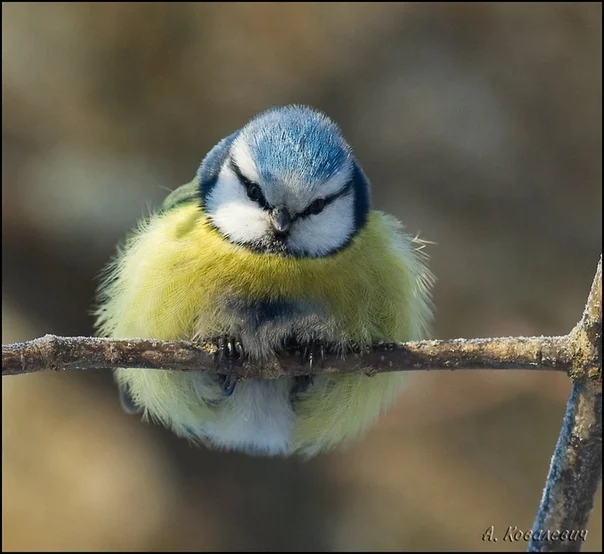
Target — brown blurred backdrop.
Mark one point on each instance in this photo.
(480, 126)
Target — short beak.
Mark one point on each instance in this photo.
(281, 220)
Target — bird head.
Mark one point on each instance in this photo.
(287, 183)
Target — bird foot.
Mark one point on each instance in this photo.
(228, 349)
(313, 353)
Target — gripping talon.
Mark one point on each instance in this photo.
(227, 347)
(312, 353)
(238, 348)
(304, 355)
(220, 351)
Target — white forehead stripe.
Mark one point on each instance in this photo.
(242, 157)
(337, 182)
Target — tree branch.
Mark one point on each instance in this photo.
(576, 466)
(58, 353)
(576, 353)
(574, 474)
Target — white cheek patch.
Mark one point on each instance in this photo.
(233, 213)
(244, 161)
(317, 235)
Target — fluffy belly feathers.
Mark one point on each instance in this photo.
(180, 279)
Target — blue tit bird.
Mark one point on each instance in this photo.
(273, 243)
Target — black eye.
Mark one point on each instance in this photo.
(254, 193)
(317, 206)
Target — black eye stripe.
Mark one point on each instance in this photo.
(253, 190)
(244, 180)
(328, 199)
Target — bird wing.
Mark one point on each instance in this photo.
(184, 194)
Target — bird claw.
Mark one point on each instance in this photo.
(312, 353)
(227, 350)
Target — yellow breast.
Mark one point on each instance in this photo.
(171, 278)
(177, 267)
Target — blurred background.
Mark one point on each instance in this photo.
(480, 126)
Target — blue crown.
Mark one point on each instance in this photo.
(296, 139)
